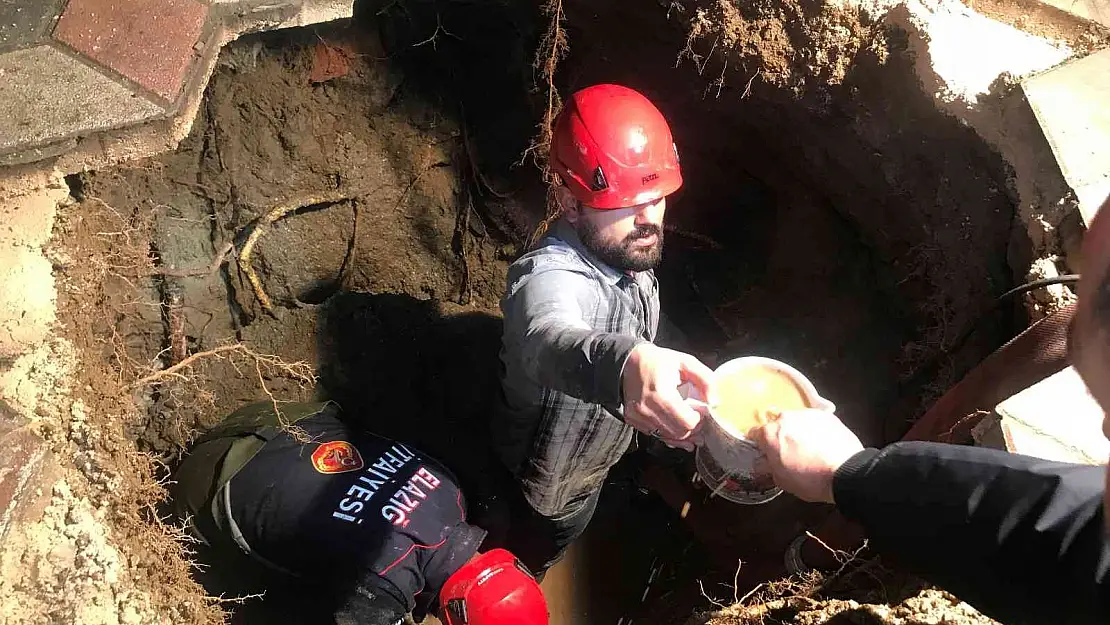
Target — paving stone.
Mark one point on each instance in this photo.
(151, 42)
(19, 466)
(24, 23)
(255, 15)
(46, 95)
(1094, 10)
(1070, 104)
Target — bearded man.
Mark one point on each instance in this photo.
(581, 372)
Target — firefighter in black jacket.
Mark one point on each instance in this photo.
(1022, 539)
(371, 519)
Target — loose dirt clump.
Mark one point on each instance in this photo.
(793, 45)
(861, 592)
(929, 607)
(1045, 20)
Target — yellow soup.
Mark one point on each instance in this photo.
(748, 397)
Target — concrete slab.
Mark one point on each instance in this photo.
(1094, 10)
(317, 11)
(1070, 104)
(24, 23)
(151, 42)
(1091, 197)
(45, 95)
(1055, 419)
(38, 153)
(254, 15)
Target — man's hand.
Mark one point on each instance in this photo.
(804, 449)
(652, 402)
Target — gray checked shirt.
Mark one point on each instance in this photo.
(571, 322)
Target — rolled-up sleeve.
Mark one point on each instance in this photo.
(546, 315)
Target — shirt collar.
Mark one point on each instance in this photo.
(565, 232)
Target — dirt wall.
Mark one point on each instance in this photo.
(886, 114)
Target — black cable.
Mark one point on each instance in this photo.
(1070, 278)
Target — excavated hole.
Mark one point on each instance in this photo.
(853, 231)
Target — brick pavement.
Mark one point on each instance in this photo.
(70, 69)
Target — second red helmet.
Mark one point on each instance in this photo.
(612, 148)
(494, 588)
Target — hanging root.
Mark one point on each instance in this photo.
(553, 48)
(299, 371)
(263, 364)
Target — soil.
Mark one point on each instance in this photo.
(856, 166)
(862, 592)
(821, 184)
(356, 281)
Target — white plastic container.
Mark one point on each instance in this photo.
(726, 461)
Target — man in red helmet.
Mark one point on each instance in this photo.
(581, 372)
(372, 528)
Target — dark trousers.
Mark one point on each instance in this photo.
(540, 542)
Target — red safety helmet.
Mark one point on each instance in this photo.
(494, 588)
(612, 148)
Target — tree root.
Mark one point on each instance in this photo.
(462, 248)
(696, 236)
(262, 225)
(553, 48)
(212, 269)
(300, 371)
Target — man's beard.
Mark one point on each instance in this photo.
(623, 255)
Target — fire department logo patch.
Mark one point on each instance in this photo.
(337, 457)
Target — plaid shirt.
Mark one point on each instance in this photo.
(570, 323)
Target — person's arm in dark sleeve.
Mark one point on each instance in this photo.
(1021, 539)
(560, 350)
